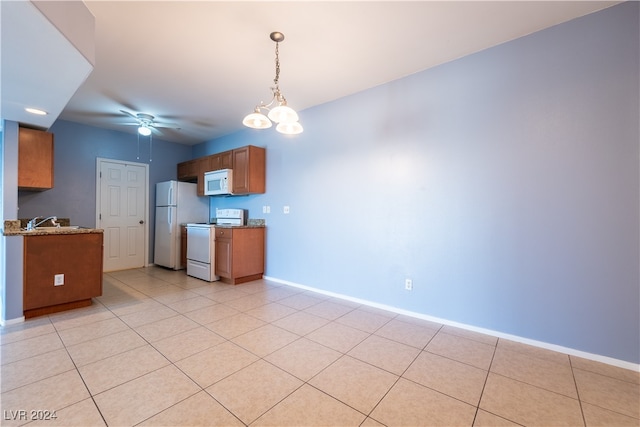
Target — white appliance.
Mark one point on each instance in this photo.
(201, 243)
(201, 250)
(230, 216)
(176, 203)
(218, 182)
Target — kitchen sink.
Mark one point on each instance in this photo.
(61, 228)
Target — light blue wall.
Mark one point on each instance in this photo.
(11, 246)
(76, 148)
(505, 184)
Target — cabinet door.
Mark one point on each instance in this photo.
(222, 160)
(226, 160)
(203, 165)
(249, 170)
(224, 257)
(215, 162)
(241, 170)
(35, 159)
(187, 171)
(248, 252)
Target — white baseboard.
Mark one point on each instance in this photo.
(566, 350)
(10, 322)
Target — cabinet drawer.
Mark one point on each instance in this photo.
(201, 270)
(224, 233)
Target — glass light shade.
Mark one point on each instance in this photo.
(144, 131)
(257, 121)
(289, 128)
(282, 113)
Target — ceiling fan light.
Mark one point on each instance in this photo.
(282, 113)
(289, 128)
(144, 131)
(256, 120)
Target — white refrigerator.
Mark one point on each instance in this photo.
(177, 203)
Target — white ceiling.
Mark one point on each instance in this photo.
(205, 64)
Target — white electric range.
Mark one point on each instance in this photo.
(201, 247)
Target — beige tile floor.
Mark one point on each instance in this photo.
(160, 348)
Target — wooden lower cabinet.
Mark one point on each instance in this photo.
(76, 256)
(239, 254)
(183, 246)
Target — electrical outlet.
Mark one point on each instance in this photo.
(286, 209)
(268, 209)
(408, 284)
(58, 280)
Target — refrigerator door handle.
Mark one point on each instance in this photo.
(169, 194)
(169, 220)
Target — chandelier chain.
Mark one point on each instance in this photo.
(277, 66)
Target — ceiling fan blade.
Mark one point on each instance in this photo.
(129, 114)
(128, 124)
(166, 125)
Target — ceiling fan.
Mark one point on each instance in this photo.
(146, 123)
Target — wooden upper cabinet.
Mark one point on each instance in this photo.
(248, 164)
(202, 166)
(35, 159)
(222, 160)
(249, 170)
(187, 171)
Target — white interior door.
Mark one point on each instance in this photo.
(122, 213)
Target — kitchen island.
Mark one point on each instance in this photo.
(62, 268)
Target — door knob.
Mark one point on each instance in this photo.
(141, 221)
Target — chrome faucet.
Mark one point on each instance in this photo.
(31, 225)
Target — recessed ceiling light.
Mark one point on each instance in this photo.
(36, 111)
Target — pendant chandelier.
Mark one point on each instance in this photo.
(278, 111)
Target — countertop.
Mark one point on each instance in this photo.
(251, 223)
(239, 226)
(12, 228)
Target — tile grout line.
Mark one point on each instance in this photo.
(484, 385)
(402, 376)
(575, 384)
(79, 374)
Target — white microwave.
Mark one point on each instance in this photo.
(218, 182)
